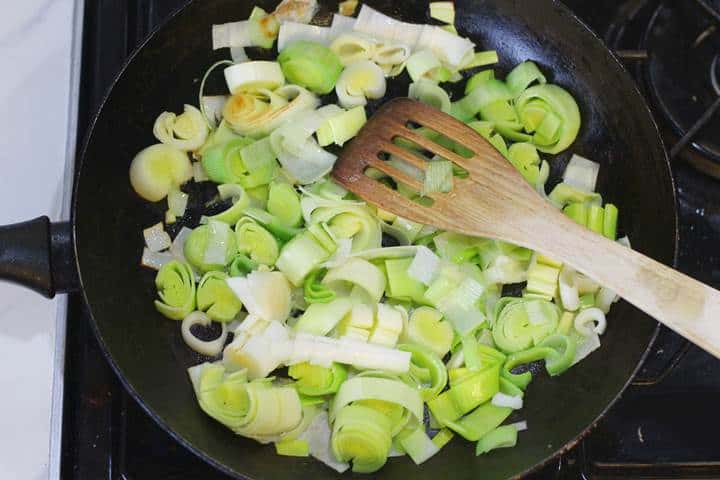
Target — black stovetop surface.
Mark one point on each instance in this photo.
(664, 426)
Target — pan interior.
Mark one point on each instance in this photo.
(147, 350)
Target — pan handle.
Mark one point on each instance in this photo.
(39, 255)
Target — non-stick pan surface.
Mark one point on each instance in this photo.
(147, 350)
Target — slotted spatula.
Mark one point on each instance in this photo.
(496, 201)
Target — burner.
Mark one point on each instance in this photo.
(683, 41)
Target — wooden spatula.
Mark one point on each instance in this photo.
(496, 201)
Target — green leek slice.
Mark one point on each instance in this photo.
(256, 242)
(216, 299)
(175, 283)
(310, 65)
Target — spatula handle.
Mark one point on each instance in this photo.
(687, 306)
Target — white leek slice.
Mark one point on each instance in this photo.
(568, 289)
(443, 11)
(264, 294)
(388, 326)
(238, 54)
(293, 31)
(503, 400)
(310, 164)
(394, 54)
(260, 354)
(155, 260)
(157, 169)
(212, 106)
(379, 25)
(317, 435)
(591, 343)
(605, 298)
(581, 173)
(187, 131)
(293, 136)
(361, 273)
(300, 11)
(203, 347)
(358, 82)
(424, 266)
(249, 76)
(421, 63)
(178, 244)
(352, 47)
(341, 127)
(340, 24)
(156, 238)
(449, 49)
(234, 34)
(177, 202)
(589, 321)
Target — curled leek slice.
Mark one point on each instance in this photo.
(360, 273)
(391, 55)
(240, 202)
(258, 410)
(461, 398)
(157, 169)
(316, 292)
(187, 131)
(362, 435)
(314, 380)
(346, 219)
(207, 248)
(175, 283)
(203, 347)
(351, 48)
(216, 299)
(590, 321)
(258, 113)
(292, 31)
(551, 114)
(311, 65)
(522, 76)
(425, 359)
(427, 329)
(430, 93)
(284, 204)
(256, 242)
(358, 82)
(255, 75)
(521, 323)
(557, 350)
(501, 437)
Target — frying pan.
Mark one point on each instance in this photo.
(101, 245)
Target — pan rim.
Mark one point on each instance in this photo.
(207, 457)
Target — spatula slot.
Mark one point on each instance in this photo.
(434, 136)
(397, 187)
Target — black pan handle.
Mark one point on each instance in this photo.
(39, 255)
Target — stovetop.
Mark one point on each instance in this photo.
(665, 424)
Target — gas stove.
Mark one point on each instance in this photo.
(664, 426)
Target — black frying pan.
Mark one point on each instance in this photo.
(147, 351)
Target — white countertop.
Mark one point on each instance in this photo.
(35, 46)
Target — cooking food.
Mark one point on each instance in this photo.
(376, 338)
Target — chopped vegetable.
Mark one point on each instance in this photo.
(157, 169)
(443, 11)
(295, 266)
(311, 65)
